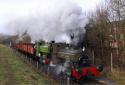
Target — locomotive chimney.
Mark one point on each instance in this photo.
(52, 41)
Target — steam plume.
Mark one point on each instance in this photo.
(52, 20)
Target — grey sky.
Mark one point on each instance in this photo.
(12, 9)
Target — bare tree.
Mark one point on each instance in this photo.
(98, 22)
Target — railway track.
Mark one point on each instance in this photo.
(49, 73)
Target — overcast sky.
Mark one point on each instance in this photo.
(12, 9)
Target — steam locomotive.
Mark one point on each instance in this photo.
(74, 62)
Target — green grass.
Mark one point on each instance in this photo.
(116, 75)
(14, 71)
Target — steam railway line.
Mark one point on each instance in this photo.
(48, 73)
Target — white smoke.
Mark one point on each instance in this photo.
(51, 20)
(62, 68)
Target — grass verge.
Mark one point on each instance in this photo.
(15, 72)
(116, 75)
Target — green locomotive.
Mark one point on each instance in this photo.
(42, 49)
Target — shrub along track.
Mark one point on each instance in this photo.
(15, 72)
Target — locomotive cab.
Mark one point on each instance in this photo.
(84, 61)
(42, 52)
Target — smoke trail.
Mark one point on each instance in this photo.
(56, 20)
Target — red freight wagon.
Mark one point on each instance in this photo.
(30, 48)
(26, 47)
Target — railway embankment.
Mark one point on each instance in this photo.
(14, 71)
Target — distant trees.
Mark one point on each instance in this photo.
(117, 8)
(107, 23)
(97, 26)
(105, 32)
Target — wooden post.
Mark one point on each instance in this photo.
(68, 81)
(101, 48)
(117, 52)
(26, 56)
(37, 64)
(48, 69)
(30, 60)
(111, 63)
(93, 55)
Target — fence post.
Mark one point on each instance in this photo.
(30, 59)
(111, 62)
(68, 81)
(93, 55)
(37, 64)
(48, 70)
